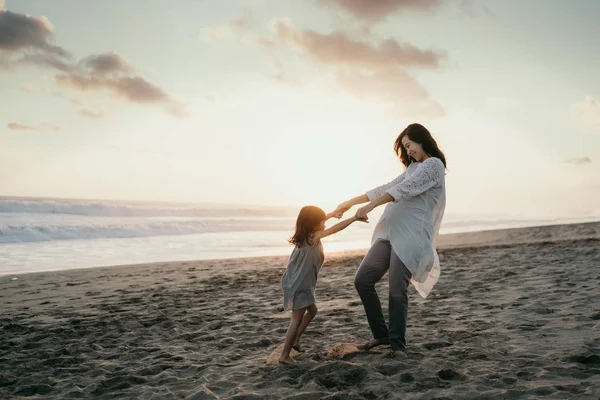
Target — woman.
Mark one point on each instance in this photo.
(405, 236)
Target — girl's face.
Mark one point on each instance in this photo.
(321, 226)
(414, 149)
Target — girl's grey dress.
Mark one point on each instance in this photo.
(300, 279)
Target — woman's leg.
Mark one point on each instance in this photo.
(371, 270)
(398, 302)
(311, 311)
(290, 335)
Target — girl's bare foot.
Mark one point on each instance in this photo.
(296, 346)
(287, 360)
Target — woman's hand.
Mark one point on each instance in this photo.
(362, 212)
(341, 209)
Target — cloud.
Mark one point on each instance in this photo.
(338, 49)
(27, 40)
(15, 126)
(107, 63)
(84, 112)
(587, 115)
(45, 60)
(24, 32)
(394, 86)
(579, 160)
(377, 10)
(130, 87)
(366, 69)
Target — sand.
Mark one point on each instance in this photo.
(516, 315)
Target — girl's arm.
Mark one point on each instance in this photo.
(336, 228)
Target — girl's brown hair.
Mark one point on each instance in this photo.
(309, 219)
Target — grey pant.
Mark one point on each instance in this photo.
(376, 263)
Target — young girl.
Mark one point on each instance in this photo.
(300, 278)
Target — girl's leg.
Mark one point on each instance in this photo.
(291, 335)
(311, 311)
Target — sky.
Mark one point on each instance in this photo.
(299, 102)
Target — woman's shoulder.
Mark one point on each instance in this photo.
(433, 160)
(433, 163)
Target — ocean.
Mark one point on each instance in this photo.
(41, 234)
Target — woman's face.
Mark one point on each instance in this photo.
(414, 149)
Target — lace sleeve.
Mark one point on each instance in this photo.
(429, 174)
(381, 190)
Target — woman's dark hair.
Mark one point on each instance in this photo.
(308, 221)
(418, 134)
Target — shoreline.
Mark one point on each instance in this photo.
(469, 239)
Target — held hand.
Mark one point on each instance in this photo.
(365, 219)
(331, 215)
(335, 214)
(362, 212)
(341, 209)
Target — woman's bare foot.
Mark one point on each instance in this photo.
(296, 346)
(287, 360)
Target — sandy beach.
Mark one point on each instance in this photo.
(515, 315)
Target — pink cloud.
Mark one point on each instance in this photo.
(366, 69)
(339, 49)
(377, 10)
(15, 126)
(133, 88)
(402, 92)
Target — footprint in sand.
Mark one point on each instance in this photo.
(450, 375)
(436, 345)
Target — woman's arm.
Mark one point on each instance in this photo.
(427, 176)
(363, 211)
(337, 227)
(369, 196)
